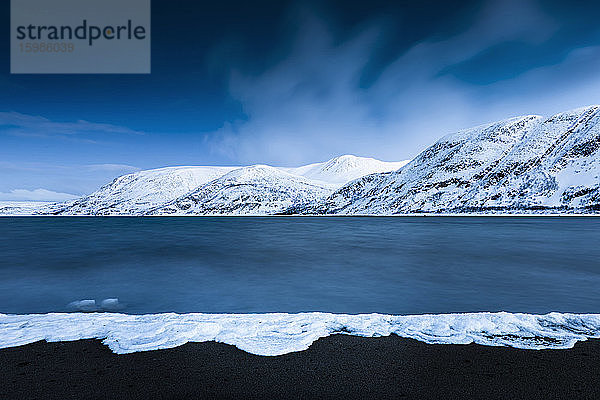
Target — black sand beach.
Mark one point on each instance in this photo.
(334, 367)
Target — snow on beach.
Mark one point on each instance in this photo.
(280, 333)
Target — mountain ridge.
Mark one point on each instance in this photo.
(527, 164)
(252, 190)
(515, 165)
(145, 192)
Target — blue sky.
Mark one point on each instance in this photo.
(288, 83)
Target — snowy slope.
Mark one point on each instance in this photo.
(141, 192)
(556, 165)
(254, 190)
(517, 165)
(343, 169)
(8, 208)
(134, 194)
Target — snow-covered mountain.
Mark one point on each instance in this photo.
(152, 190)
(523, 164)
(518, 165)
(15, 208)
(254, 190)
(343, 169)
(139, 192)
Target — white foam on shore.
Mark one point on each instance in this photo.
(276, 334)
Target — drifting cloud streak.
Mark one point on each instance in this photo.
(14, 123)
(35, 195)
(311, 106)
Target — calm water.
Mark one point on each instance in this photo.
(396, 265)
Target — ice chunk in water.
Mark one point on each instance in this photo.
(83, 305)
(111, 305)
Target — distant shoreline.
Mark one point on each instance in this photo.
(314, 215)
(338, 366)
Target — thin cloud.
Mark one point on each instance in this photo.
(35, 195)
(18, 124)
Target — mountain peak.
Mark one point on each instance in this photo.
(347, 161)
(345, 168)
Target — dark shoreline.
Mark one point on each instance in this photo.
(338, 366)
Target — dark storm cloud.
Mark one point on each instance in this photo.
(326, 95)
(576, 27)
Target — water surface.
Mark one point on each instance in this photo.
(392, 265)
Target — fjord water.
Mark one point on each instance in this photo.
(391, 265)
